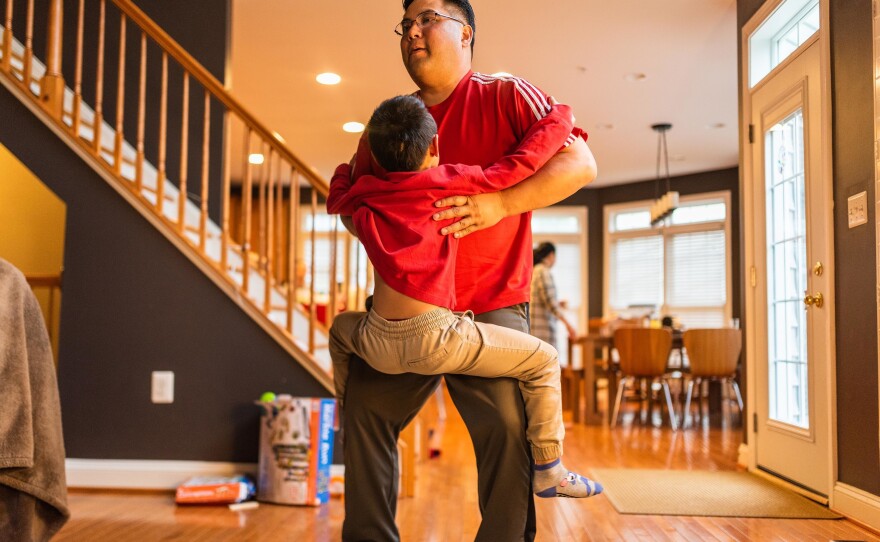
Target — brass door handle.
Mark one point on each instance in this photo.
(815, 300)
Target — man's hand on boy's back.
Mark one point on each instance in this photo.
(570, 169)
(479, 211)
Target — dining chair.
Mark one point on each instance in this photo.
(643, 353)
(714, 356)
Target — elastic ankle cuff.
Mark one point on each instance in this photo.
(548, 453)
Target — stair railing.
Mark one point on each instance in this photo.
(270, 237)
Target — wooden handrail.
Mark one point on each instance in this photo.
(218, 90)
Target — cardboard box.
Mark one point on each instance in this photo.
(296, 449)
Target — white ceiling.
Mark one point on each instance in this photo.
(580, 51)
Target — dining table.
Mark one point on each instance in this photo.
(579, 382)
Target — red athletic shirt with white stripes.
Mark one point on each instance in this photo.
(483, 120)
(392, 213)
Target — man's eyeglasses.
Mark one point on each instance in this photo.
(422, 20)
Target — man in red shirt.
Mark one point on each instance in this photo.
(410, 327)
(480, 119)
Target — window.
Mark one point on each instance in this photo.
(681, 269)
(790, 25)
(796, 32)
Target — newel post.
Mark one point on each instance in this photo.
(52, 84)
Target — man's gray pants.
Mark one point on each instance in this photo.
(378, 406)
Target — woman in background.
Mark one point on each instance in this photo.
(545, 308)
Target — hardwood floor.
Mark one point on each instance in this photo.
(445, 507)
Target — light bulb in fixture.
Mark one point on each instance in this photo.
(328, 78)
(353, 127)
(256, 159)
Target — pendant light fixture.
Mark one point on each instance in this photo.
(664, 205)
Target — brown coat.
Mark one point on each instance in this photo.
(33, 489)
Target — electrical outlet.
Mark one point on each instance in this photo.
(857, 209)
(163, 387)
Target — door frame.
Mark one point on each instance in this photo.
(748, 455)
(876, 50)
(583, 240)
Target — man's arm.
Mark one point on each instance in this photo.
(564, 174)
(541, 142)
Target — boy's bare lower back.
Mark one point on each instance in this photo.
(393, 305)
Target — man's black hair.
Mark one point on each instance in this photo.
(400, 132)
(464, 9)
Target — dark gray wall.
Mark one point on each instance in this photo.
(854, 258)
(596, 199)
(134, 304)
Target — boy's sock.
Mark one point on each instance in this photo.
(554, 480)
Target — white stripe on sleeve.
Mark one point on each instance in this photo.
(532, 96)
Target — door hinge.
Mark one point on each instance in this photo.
(751, 133)
(753, 277)
(754, 422)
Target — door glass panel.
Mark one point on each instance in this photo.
(787, 272)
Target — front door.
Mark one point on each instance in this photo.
(792, 256)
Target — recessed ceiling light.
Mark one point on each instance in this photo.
(353, 127)
(328, 78)
(635, 77)
(256, 159)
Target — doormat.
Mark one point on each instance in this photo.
(704, 493)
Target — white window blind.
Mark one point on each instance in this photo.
(697, 269)
(637, 272)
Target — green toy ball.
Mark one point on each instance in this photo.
(267, 397)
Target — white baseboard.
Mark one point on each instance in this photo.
(855, 504)
(145, 474)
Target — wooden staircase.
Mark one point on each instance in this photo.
(283, 261)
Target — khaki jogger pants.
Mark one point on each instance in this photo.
(441, 342)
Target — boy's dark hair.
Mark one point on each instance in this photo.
(400, 132)
(464, 9)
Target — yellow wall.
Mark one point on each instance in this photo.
(31, 227)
